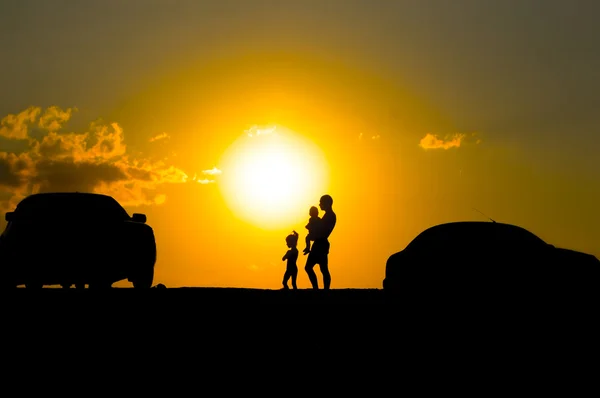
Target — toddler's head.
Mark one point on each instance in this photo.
(313, 211)
(292, 239)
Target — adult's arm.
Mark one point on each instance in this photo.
(323, 229)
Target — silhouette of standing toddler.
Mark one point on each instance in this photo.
(312, 226)
(291, 270)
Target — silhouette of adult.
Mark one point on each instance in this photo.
(320, 248)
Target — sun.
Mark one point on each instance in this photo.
(271, 176)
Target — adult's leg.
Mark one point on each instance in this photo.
(310, 264)
(324, 266)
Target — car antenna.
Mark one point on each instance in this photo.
(480, 212)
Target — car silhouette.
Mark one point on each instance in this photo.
(485, 256)
(72, 238)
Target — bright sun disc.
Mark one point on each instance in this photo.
(271, 176)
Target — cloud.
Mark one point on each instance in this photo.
(95, 160)
(257, 130)
(212, 172)
(54, 118)
(432, 141)
(161, 136)
(373, 137)
(15, 127)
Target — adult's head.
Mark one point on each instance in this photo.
(326, 202)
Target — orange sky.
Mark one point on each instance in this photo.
(402, 132)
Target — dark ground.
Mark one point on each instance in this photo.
(221, 336)
(352, 309)
(192, 304)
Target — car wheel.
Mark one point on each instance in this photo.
(144, 280)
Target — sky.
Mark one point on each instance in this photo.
(224, 121)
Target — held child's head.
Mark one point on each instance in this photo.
(313, 211)
(292, 239)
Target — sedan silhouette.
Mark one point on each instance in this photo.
(72, 238)
(468, 255)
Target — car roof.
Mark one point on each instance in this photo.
(65, 194)
(486, 225)
(60, 196)
(70, 202)
(481, 225)
(481, 228)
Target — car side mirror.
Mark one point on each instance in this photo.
(138, 217)
(9, 216)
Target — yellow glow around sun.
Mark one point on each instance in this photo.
(271, 176)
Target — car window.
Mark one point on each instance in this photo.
(438, 237)
(517, 237)
(71, 206)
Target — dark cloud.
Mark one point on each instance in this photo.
(50, 148)
(139, 174)
(67, 175)
(90, 161)
(8, 177)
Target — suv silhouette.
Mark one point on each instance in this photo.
(486, 256)
(72, 238)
